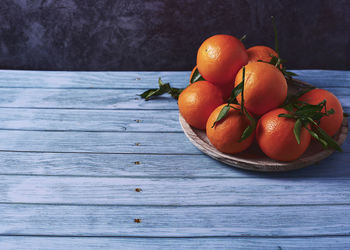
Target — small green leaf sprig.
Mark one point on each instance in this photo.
(308, 116)
(163, 88)
(196, 76)
(239, 89)
(276, 60)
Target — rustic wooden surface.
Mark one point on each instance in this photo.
(82, 157)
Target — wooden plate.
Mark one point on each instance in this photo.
(253, 158)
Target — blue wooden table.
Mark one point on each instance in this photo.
(86, 164)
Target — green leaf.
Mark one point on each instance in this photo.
(196, 77)
(250, 129)
(297, 130)
(287, 116)
(330, 112)
(289, 73)
(324, 138)
(175, 92)
(330, 141)
(314, 135)
(243, 37)
(222, 114)
(163, 89)
(148, 93)
(242, 91)
(274, 61)
(237, 90)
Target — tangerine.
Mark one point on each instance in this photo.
(226, 134)
(197, 101)
(220, 57)
(260, 52)
(332, 123)
(265, 87)
(276, 138)
(226, 89)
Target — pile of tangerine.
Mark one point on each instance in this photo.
(220, 61)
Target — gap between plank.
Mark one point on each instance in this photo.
(178, 237)
(177, 177)
(172, 206)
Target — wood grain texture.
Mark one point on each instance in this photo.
(137, 79)
(293, 221)
(104, 142)
(81, 99)
(39, 119)
(102, 99)
(90, 120)
(75, 146)
(166, 191)
(154, 166)
(64, 243)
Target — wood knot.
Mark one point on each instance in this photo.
(137, 144)
(137, 163)
(137, 220)
(138, 189)
(138, 121)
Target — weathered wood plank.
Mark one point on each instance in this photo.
(64, 243)
(143, 165)
(101, 142)
(173, 191)
(325, 78)
(60, 79)
(174, 221)
(81, 99)
(101, 99)
(90, 120)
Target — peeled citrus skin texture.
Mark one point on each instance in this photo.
(260, 52)
(220, 57)
(332, 123)
(276, 138)
(197, 102)
(225, 135)
(265, 87)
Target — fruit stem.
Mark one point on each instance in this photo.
(242, 93)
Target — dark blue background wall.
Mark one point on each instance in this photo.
(165, 35)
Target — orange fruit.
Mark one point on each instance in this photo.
(197, 101)
(276, 138)
(265, 87)
(225, 135)
(220, 57)
(260, 52)
(226, 89)
(331, 123)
